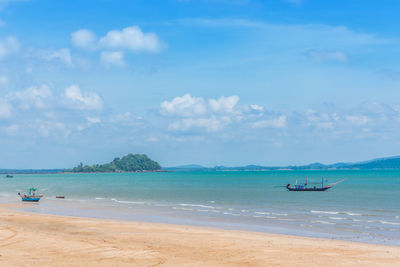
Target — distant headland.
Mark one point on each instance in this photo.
(128, 163)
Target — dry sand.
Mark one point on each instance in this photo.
(43, 240)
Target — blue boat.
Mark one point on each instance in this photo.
(31, 196)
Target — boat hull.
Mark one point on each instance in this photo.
(308, 189)
(31, 199)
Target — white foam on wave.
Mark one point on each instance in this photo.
(280, 214)
(196, 205)
(386, 222)
(127, 202)
(323, 222)
(353, 214)
(337, 218)
(99, 198)
(244, 210)
(263, 213)
(324, 212)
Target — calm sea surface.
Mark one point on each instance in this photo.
(366, 207)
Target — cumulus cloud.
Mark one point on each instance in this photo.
(195, 113)
(8, 46)
(211, 124)
(224, 104)
(84, 39)
(185, 106)
(82, 100)
(34, 96)
(133, 39)
(320, 56)
(279, 122)
(115, 58)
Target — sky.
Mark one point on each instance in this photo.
(210, 82)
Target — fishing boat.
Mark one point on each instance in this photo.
(9, 176)
(31, 196)
(307, 187)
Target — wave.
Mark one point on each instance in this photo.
(323, 222)
(353, 214)
(324, 212)
(99, 198)
(196, 205)
(337, 218)
(392, 223)
(127, 202)
(262, 213)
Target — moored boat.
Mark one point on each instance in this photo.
(31, 196)
(306, 187)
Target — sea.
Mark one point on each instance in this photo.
(363, 208)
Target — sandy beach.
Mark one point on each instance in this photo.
(35, 239)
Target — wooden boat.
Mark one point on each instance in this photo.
(306, 187)
(9, 176)
(31, 196)
(60, 196)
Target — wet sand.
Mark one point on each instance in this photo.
(28, 239)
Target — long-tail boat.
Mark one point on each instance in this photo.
(31, 196)
(306, 187)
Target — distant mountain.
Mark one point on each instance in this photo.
(392, 163)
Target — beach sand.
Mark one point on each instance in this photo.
(44, 240)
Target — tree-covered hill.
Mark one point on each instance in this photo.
(128, 163)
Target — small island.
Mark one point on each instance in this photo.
(128, 163)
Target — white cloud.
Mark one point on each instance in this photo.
(224, 104)
(12, 129)
(257, 108)
(32, 97)
(8, 46)
(84, 38)
(84, 101)
(320, 56)
(62, 55)
(133, 39)
(212, 124)
(279, 122)
(115, 58)
(357, 119)
(93, 120)
(5, 110)
(185, 106)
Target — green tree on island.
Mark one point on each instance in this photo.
(128, 163)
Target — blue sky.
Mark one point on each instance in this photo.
(212, 82)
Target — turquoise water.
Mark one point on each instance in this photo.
(363, 208)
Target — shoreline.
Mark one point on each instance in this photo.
(66, 240)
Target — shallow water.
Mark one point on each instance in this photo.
(363, 208)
